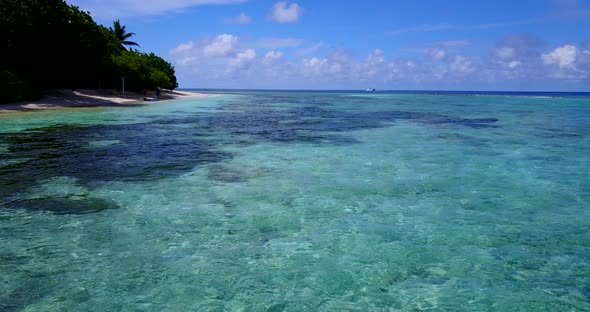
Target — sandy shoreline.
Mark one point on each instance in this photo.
(94, 98)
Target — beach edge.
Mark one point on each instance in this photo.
(62, 99)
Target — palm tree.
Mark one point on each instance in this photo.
(122, 35)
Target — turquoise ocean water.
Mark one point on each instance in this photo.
(294, 201)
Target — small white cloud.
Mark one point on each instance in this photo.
(375, 63)
(461, 66)
(314, 62)
(514, 57)
(505, 53)
(438, 54)
(564, 57)
(336, 68)
(183, 48)
(282, 12)
(272, 57)
(241, 19)
(187, 61)
(513, 64)
(376, 57)
(242, 60)
(223, 45)
(314, 66)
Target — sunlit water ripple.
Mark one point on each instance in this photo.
(298, 202)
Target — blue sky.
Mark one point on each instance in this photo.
(310, 44)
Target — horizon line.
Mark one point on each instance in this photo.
(384, 90)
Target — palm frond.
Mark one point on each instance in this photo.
(119, 31)
(128, 35)
(130, 43)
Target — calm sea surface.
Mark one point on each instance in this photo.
(295, 201)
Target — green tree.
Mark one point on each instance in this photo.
(122, 35)
(160, 64)
(143, 70)
(48, 44)
(45, 45)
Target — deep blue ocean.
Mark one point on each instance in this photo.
(299, 201)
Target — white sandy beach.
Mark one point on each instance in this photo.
(94, 98)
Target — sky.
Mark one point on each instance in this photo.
(516, 45)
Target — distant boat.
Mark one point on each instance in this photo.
(371, 90)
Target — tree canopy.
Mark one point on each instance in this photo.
(48, 44)
(122, 35)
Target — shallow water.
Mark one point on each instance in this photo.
(299, 202)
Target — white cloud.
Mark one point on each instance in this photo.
(208, 56)
(282, 12)
(373, 66)
(113, 9)
(513, 64)
(564, 57)
(515, 57)
(341, 66)
(376, 57)
(225, 60)
(223, 45)
(184, 53)
(438, 54)
(314, 62)
(508, 61)
(183, 48)
(314, 67)
(187, 61)
(241, 19)
(242, 60)
(272, 57)
(461, 66)
(567, 63)
(505, 53)
(440, 51)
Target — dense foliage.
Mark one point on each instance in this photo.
(48, 44)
